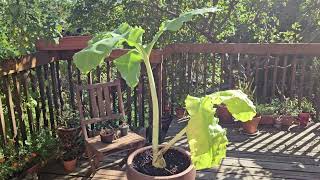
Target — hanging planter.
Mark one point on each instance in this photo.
(65, 43)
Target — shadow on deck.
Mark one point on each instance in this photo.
(272, 154)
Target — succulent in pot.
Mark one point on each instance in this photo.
(207, 146)
(268, 112)
(107, 135)
(71, 153)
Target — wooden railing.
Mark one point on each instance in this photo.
(49, 77)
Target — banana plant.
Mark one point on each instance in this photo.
(128, 65)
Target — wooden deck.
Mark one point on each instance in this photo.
(272, 154)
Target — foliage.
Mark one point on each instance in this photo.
(22, 23)
(289, 106)
(69, 118)
(38, 149)
(246, 87)
(208, 146)
(266, 109)
(306, 106)
(128, 64)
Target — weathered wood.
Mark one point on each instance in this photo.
(37, 108)
(265, 77)
(71, 85)
(93, 103)
(49, 97)
(42, 96)
(205, 69)
(25, 82)
(101, 105)
(274, 77)
(293, 76)
(3, 133)
(302, 81)
(104, 174)
(59, 84)
(213, 79)
(284, 74)
(54, 88)
(222, 72)
(128, 105)
(141, 101)
(17, 103)
(246, 48)
(256, 77)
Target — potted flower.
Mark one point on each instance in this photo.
(268, 112)
(69, 126)
(306, 111)
(207, 139)
(180, 110)
(288, 112)
(107, 135)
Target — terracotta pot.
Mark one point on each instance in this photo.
(65, 43)
(33, 169)
(224, 115)
(180, 112)
(287, 120)
(267, 119)
(124, 130)
(132, 174)
(67, 135)
(70, 166)
(304, 118)
(108, 138)
(251, 127)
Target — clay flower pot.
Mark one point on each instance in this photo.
(304, 118)
(124, 130)
(251, 127)
(33, 169)
(65, 43)
(133, 174)
(224, 115)
(70, 166)
(180, 112)
(107, 138)
(287, 120)
(267, 119)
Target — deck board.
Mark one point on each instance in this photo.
(272, 154)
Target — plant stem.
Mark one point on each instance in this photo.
(171, 142)
(155, 108)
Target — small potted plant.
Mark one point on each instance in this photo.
(70, 159)
(306, 111)
(69, 126)
(124, 129)
(180, 109)
(288, 112)
(268, 112)
(224, 115)
(107, 135)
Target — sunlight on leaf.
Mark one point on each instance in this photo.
(129, 67)
(207, 139)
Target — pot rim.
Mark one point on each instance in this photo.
(132, 155)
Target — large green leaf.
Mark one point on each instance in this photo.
(207, 139)
(238, 104)
(102, 45)
(93, 55)
(176, 24)
(129, 67)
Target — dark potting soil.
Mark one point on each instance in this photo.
(176, 163)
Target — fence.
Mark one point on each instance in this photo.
(37, 88)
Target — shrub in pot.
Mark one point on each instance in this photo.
(207, 146)
(306, 110)
(180, 110)
(69, 126)
(71, 153)
(288, 112)
(124, 129)
(268, 112)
